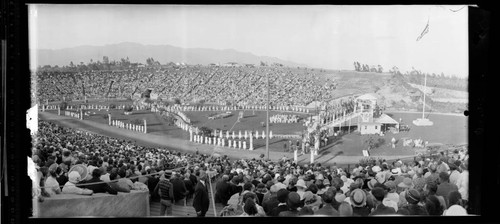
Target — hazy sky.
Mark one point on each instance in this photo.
(320, 36)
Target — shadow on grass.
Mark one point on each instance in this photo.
(334, 155)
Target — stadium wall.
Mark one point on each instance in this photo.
(133, 204)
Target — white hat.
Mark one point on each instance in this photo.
(320, 177)
(396, 171)
(74, 177)
(381, 177)
(376, 169)
(455, 210)
(301, 183)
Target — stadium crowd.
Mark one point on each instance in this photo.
(433, 185)
(238, 86)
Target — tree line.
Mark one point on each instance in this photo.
(367, 68)
(105, 64)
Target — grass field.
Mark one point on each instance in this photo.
(446, 130)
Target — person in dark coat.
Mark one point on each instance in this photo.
(180, 190)
(412, 208)
(445, 187)
(223, 191)
(201, 200)
(328, 209)
(380, 209)
(358, 202)
(193, 178)
(282, 196)
(260, 191)
(189, 185)
(272, 202)
(293, 203)
(98, 188)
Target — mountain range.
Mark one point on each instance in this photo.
(139, 53)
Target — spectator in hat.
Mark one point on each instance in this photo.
(180, 190)
(293, 204)
(253, 197)
(62, 174)
(71, 188)
(442, 166)
(301, 188)
(190, 186)
(118, 185)
(166, 191)
(250, 208)
(430, 190)
(201, 200)
(272, 202)
(380, 209)
(247, 187)
(454, 173)
(432, 175)
(313, 188)
(105, 171)
(51, 184)
(412, 207)
(345, 209)
(97, 185)
(392, 195)
(358, 202)
(291, 184)
(419, 180)
(260, 191)
(405, 185)
(312, 200)
(456, 205)
(282, 197)
(222, 190)
(445, 187)
(269, 185)
(433, 205)
(463, 181)
(328, 208)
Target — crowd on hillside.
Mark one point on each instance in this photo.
(239, 86)
(435, 185)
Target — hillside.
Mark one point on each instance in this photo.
(162, 53)
(394, 92)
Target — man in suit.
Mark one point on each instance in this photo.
(282, 196)
(222, 191)
(180, 190)
(98, 188)
(328, 209)
(380, 209)
(201, 200)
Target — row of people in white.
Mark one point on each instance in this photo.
(284, 118)
(221, 142)
(133, 127)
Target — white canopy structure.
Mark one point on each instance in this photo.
(386, 119)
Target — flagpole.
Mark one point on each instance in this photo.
(425, 89)
(212, 194)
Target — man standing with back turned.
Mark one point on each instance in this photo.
(201, 200)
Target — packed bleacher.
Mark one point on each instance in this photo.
(240, 86)
(433, 185)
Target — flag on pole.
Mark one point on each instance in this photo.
(426, 30)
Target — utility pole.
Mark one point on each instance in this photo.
(267, 118)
